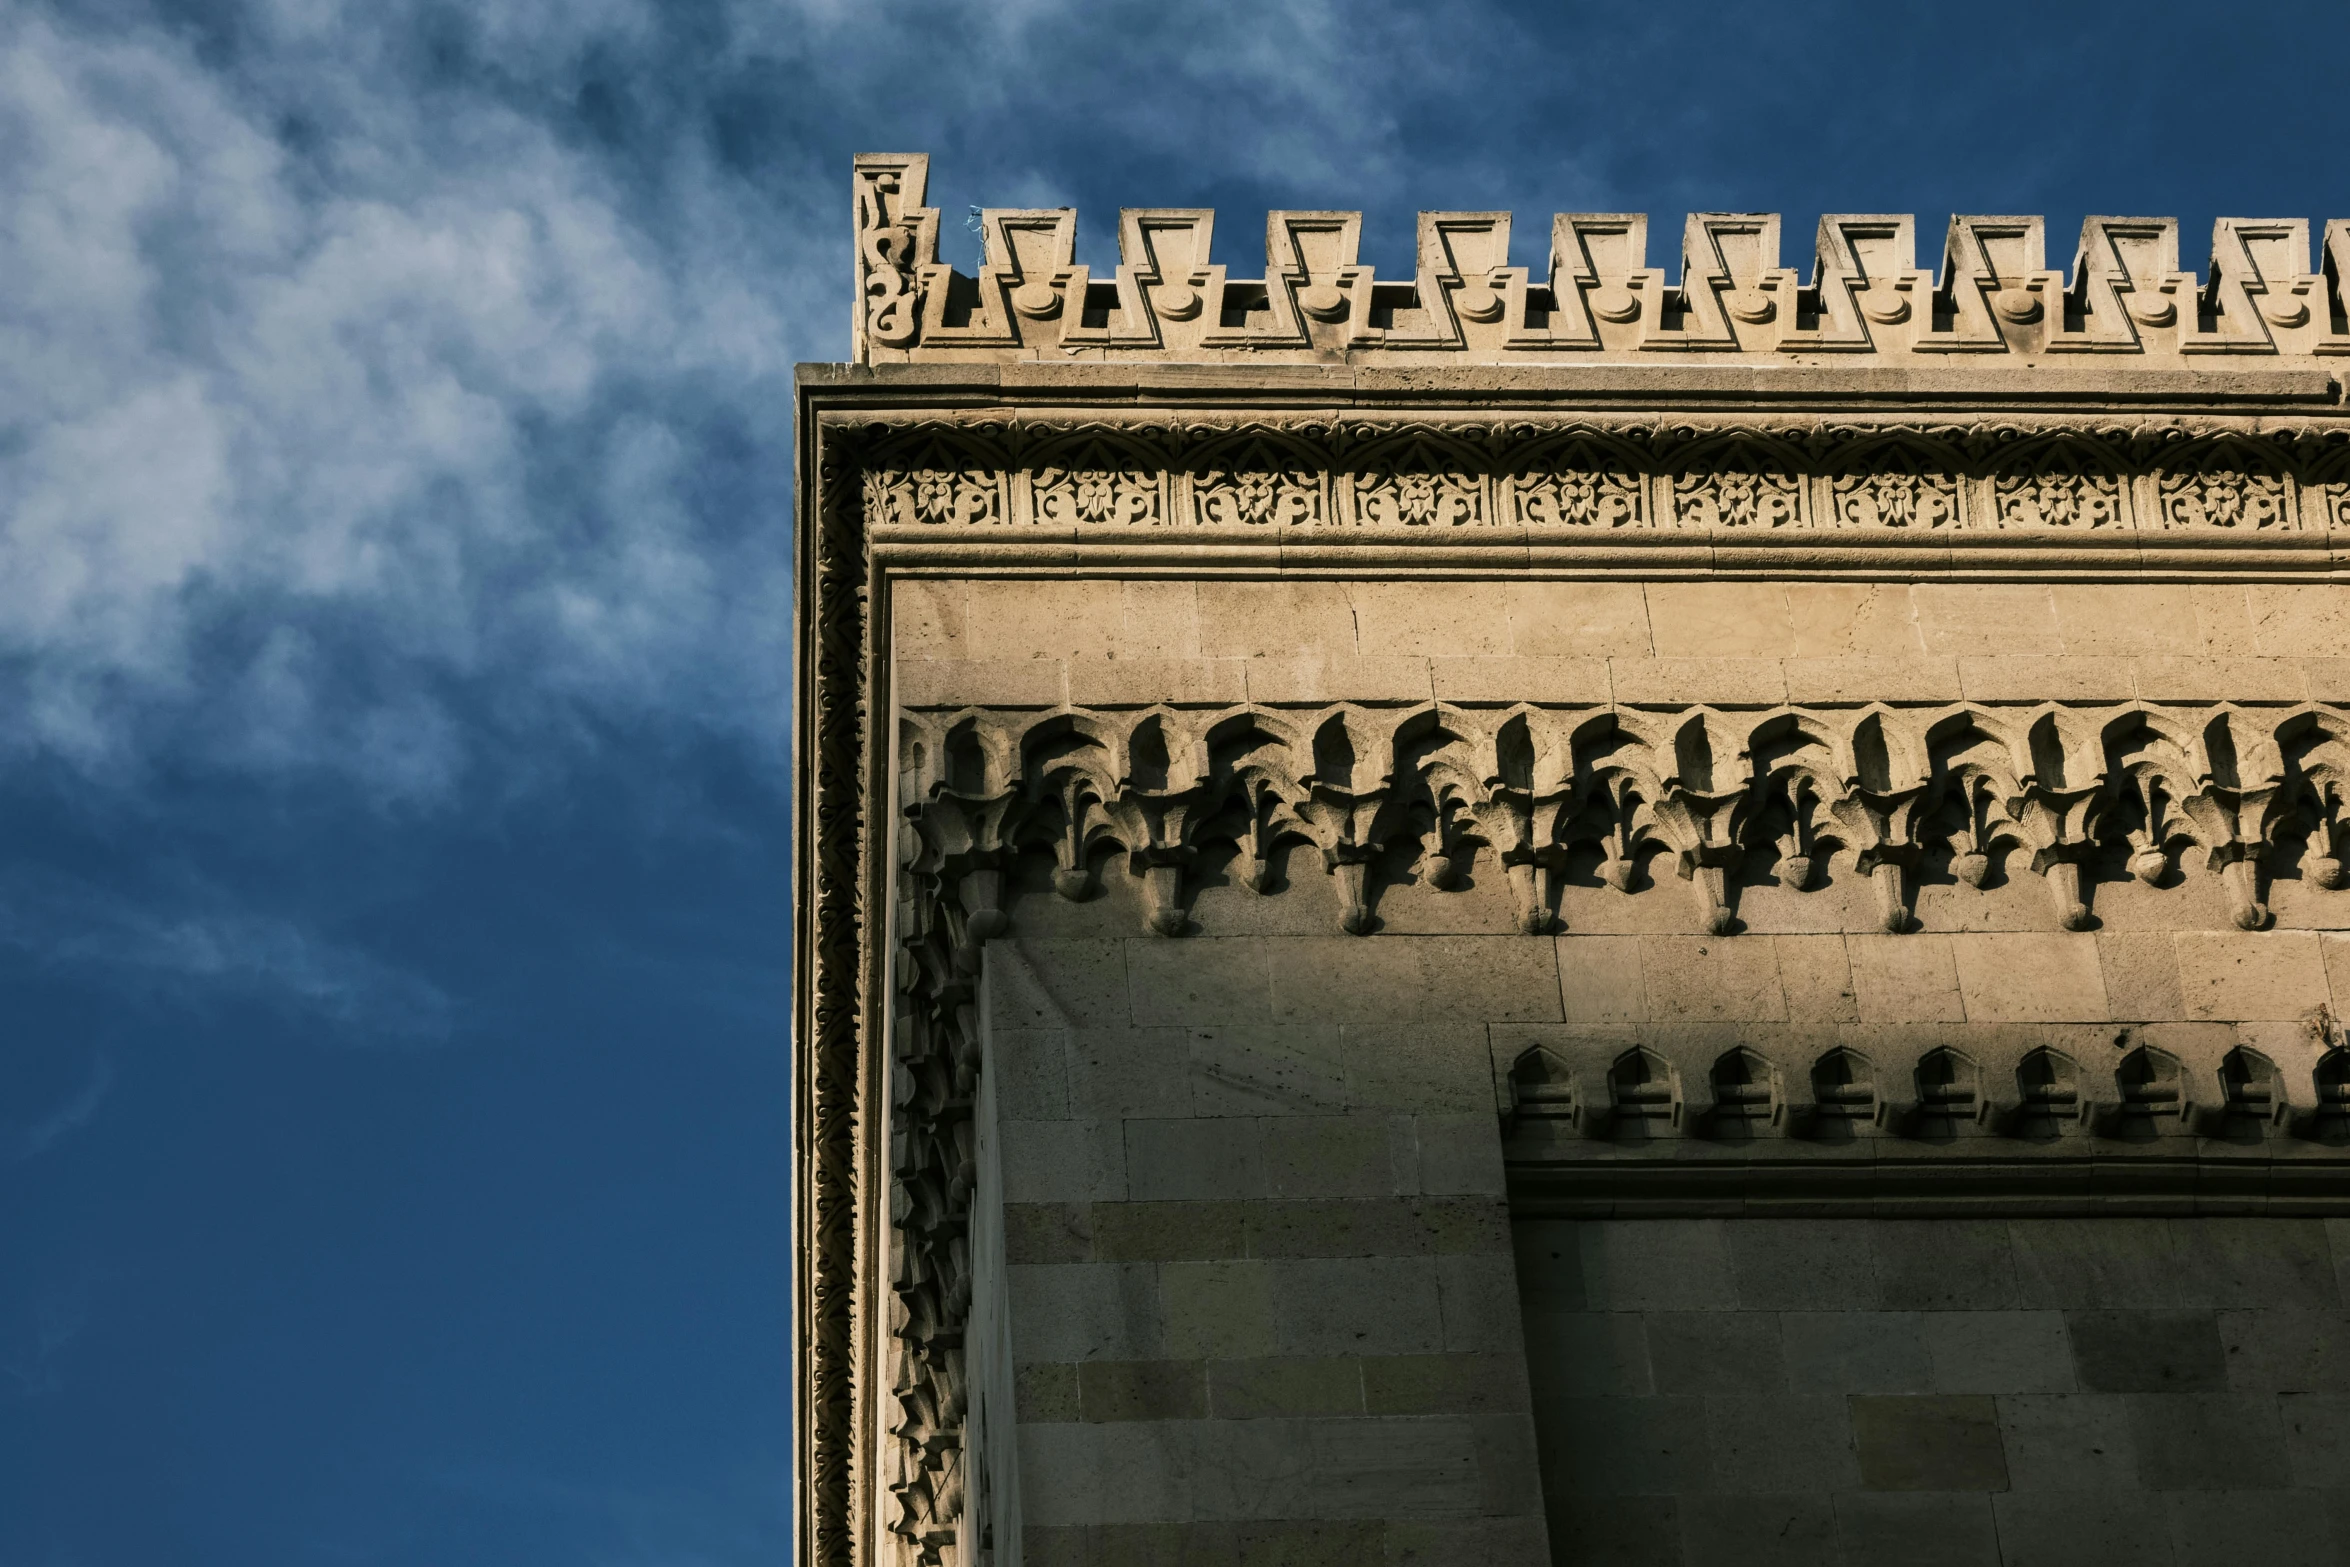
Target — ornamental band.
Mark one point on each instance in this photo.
(1520, 914)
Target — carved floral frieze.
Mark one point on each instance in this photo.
(1431, 480)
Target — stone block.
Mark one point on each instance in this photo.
(1042, 617)
(1333, 1468)
(1793, 1530)
(1916, 1529)
(1217, 1310)
(2109, 1528)
(2127, 619)
(1945, 1265)
(1858, 680)
(2317, 1438)
(1573, 1354)
(1195, 1159)
(1045, 1391)
(1109, 1390)
(1431, 619)
(1727, 682)
(2219, 680)
(1549, 1258)
(1031, 1071)
(1602, 1531)
(1048, 1232)
(1804, 1264)
(1578, 620)
(1905, 979)
(1428, 1067)
(1815, 974)
(1129, 1072)
(2263, 1528)
(2068, 1442)
(2294, 1350)
(927, 617)
(1085, 1311)
(1854, 1352)
(1479, 1309)
(2276, 1263)
(1167, 1231)
(1200, 980)
(1626, 1447)
(1073, 1473)
(1942, 1442)
(1835, 620)
(1141, 682)
(2067, 1264)
(1459, 1155)
(1709, 979)
(1275, 619)
(2234, 976)
(2035, 977)
(935, 682)
(2295, 620)
(1243, 1069)
(1719, 620)
(1330, 1155)
(1599, 979)
(1080, 1160)
(1356, 1306)
(1707, 1352)
(1384, 1227)
(1314, 680)
(1975, 618)
(1998, 1351)
(1521, 679)
(1781, 1442)
(1034, 982)
(2141, 971)
(1464, 1542)
(1501, 979)
(1285, 1385)
(2208, 1442)
(1657, 1265)
(1458, 1384)
(2146, 1351)
(2046, 679)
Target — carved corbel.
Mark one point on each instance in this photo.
(1349, 808)
(2320, 787)
(1164, 795)
(1519, 781)
(1882, 788)
(1702, 809)
(2058, 802)
(2237, 807)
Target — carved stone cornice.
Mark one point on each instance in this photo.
(1640, 796)
(2157, 1118)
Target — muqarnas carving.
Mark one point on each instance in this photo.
(1700, 796)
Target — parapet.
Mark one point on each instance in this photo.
(1596, 301)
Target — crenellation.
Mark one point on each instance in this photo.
(1596, 299)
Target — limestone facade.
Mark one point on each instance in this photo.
(1529, 916)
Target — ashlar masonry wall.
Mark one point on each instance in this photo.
(1265, 1299)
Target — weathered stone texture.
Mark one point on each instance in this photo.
(1867, 1391)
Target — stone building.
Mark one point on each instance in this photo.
(1525, 914)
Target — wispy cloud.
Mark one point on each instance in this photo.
(77, 1110)
(200, 945)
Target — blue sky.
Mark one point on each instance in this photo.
(394, 640)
